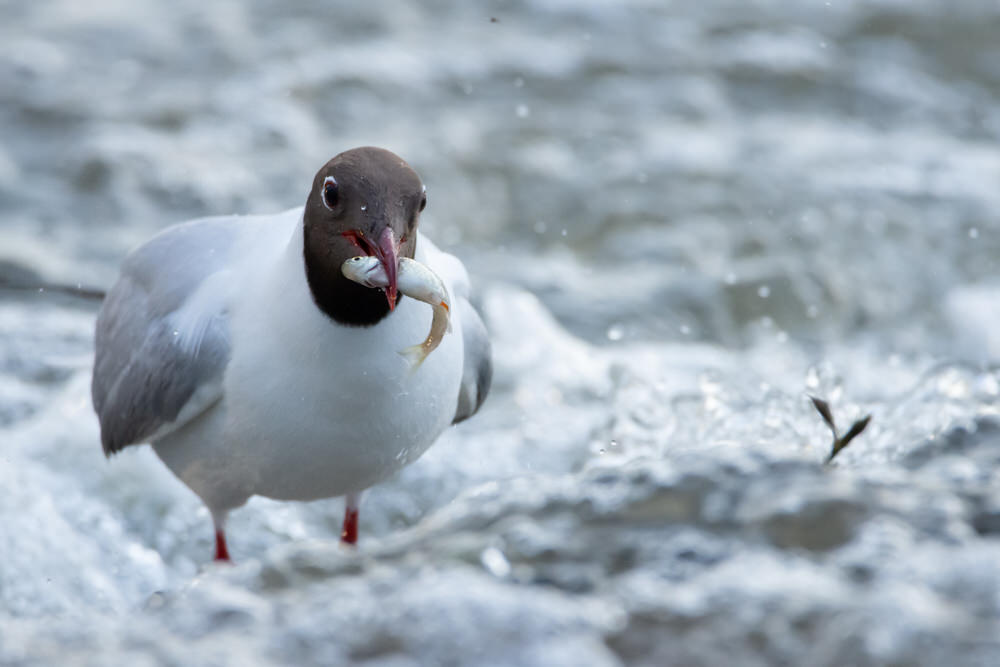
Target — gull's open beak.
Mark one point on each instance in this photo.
(387, 251)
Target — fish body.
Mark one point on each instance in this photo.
(417, 282)
(365, 270)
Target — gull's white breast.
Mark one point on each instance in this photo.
(312, 408)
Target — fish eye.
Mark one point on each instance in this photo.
(331, 192)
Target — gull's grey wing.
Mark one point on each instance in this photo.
(478, 370)
(162, 342)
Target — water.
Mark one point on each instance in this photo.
(682, 221)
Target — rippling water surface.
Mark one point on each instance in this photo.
(683, 219)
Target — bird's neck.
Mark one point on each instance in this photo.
(342, 300)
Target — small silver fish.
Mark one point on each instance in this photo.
(416, 281)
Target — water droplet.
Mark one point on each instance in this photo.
(613, 444)
(953, 385)
(782, 337)
(518, 82)
(495, 562)
(988, 385)
(685, 330)
(822, 379)
(522, 111)
(616, 332)
(812, 312)
(730, 278)
(563, 231)
(709, 382)
(763, 291)
(973, 233)
(364, 208)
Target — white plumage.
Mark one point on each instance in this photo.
(310, 409)
(239, 350)
(211, 347)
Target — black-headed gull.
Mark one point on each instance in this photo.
(254, 367)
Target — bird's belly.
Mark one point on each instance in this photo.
(344, 446)
(349, 414)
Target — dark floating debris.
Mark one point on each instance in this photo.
(79, 291)
(839, 442)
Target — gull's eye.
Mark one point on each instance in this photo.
(423, 202)
(331, 193)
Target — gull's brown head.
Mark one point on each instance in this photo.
(365, 201)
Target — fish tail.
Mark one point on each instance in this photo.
(414, 355)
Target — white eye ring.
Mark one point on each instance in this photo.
(325, 194)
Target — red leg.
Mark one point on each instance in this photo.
(219, 521)
(221, 552)
(349, 535)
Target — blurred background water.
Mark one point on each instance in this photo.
(682, 219)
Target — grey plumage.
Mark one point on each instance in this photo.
(477, 373)
(143, 378)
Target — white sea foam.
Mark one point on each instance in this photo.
(645, 483)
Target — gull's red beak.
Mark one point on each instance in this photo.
(387, 251)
